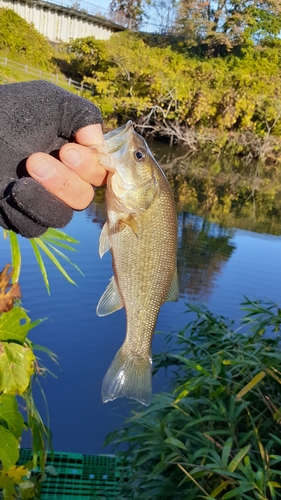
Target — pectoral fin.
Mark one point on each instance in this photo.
(173, 294)
(131, 222)
(110, 301)
(104, 240)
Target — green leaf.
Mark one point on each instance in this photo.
(46, 243)
(11, 326)
(220, 488)
(16, 255)
(9, 448)
(52, 242)
(237, 459)
(175, 442)
(63, 256)
(226, 451)
(274, 484)
(55, 261)
(38, 347)
(40, 433)
(16, 367)
(270, 485)
(276, 438)
(8, 486)
(55, 234)
(40, 263)
(36, 322)
(260, 479)
(237, 492)
(9, 412)
(248, 387)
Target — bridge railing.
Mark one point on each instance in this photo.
(44, 75)
(92, 9)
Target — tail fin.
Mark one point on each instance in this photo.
(128, 375)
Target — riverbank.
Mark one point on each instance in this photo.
(229, 105)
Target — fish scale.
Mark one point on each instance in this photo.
(145, 282)
(142, 238)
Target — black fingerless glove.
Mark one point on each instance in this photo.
(35, 117)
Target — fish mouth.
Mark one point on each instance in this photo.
(117, 138)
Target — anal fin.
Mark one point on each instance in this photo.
(111, 300)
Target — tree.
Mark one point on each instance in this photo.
(86, 55)
(133, 11)
(223, 25)
(162, 15)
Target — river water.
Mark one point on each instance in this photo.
(218, 265)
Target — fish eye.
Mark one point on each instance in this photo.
(139, 154)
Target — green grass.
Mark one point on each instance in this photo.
(16, 75)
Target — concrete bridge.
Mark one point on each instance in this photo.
(58, 21)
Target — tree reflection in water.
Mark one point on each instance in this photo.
(203, 250)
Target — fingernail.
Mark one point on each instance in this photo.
(72, 156)
(42, 169)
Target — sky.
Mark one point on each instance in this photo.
(149, 24)
(101, 3)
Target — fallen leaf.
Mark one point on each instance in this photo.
(8, 292)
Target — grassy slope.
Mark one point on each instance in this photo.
(12, 75)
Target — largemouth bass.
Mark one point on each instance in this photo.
(141, 233)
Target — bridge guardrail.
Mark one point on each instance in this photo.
(94, 10)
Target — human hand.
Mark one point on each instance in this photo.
(36, 119)
(72, 178)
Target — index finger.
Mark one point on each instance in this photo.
(90, 135)
(84, 162)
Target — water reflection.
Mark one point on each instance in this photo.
(96, 210)
(216, 264)
(228, 189)
(223, 189)
(203, 249)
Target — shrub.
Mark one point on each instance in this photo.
(20, 37)
(216, 435)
